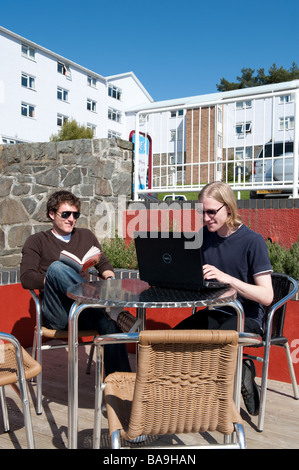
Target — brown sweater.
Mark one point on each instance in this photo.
(42, 248)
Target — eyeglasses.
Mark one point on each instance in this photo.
(67, 214)
(211, 212)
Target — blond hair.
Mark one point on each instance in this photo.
(224, 194)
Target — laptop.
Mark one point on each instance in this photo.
(172, 260)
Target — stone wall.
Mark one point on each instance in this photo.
(99, 171)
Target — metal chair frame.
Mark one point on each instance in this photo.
(22, 375)
(60, 335)
(274, 337)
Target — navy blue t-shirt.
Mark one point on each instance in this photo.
(242, 254)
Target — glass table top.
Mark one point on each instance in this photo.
(137, 293)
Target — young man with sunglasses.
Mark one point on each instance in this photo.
(41, 269)
(236, 255)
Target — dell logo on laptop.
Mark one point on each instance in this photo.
(167, 258)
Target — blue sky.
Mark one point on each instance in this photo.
(175, 48)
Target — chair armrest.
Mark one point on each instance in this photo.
(18, 350)
(250, 339)
(285, 299)
(116, 338)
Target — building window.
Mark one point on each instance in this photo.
(28, 81)
(114, 92)
(286, 99)
(113, 134)
(243, 152)
(243, 128)
(243, 104)
(286, 123)
(63, 69)
(91, 81)
(91, 105)
(7, 140)
(28, 52)
(62, 95)
(61, 119)
(28, 110)
(177, 113)
(114, 115)
(92, 127)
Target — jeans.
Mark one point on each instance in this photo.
(56, 306)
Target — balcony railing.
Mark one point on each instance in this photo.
(227, 139)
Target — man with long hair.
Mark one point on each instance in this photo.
(236, 255)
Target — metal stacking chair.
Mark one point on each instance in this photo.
(16, 366)
(41, 332)
(184, 384)
(285, 288)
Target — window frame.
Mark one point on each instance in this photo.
(63, 69)
(244, 104)
(93, 105)
(64, 94)
(246, 128)
(286, 120)
(63, 119)
(286, 99)
(114, 112)
(90, 80)
(114, 90)
(93, 127)
(111, 133)
(25, 51)
(29, 107)
(28, 78)
(176, 113)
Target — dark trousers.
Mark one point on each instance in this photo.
(217, 320)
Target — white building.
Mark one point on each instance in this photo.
(194, 140)
(39, 89)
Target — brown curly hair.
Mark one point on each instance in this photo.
(59, 197)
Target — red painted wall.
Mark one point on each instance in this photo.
(17, 316)
(282, 225)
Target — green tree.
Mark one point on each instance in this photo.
(71, 130)
(250, 79)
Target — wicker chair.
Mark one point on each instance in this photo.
(285, 289)
(16, 366)
(184, 384)
(41, 332)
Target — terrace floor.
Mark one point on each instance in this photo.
(281, 429)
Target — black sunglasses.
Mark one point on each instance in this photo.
(67, 214)
(211, 212)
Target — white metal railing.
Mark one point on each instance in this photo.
(195, 144)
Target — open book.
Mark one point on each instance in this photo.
(89, 259)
